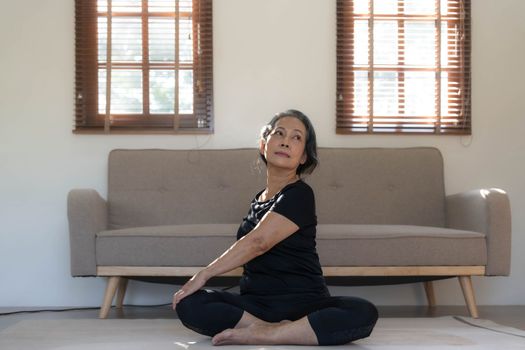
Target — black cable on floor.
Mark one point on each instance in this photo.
(46, 310)
(72, 309)
(87, 308)
(487, 328)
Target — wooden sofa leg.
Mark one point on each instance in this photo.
(468, 293)
(121, 293)
(111, 288)
(429, 291)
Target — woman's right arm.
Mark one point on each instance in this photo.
(272, 229)
(238, 254)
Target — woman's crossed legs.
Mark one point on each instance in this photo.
(234, 319)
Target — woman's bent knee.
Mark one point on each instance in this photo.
(366, 312)
(367, 318)
(208, 312)
(350, 320)
(370, 311)
(187, 306)
(191, 311)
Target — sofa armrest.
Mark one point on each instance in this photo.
(87, 215)
(486, 211)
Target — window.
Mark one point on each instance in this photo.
(403, 67)
(143, 66)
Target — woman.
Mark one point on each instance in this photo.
(284, 298)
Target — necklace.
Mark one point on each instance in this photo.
(264, 197)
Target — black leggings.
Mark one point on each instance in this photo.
(335, 320)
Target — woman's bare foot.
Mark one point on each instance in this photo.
(257, 333)
(248, 319)
(264, 333)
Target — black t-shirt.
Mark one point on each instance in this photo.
(292, 265)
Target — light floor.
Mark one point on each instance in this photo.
(508, 315)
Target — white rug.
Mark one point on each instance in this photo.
(159, 334)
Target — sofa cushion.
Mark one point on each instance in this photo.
(337, 245)
(170, 245)
(399, 245)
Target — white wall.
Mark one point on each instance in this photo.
(291, 47)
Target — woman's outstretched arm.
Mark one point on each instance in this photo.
(272, 229)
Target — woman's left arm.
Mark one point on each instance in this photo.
(270, 230)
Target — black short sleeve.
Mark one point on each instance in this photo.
(297, 203)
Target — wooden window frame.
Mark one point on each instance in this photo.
(89, 120)
(458, 122)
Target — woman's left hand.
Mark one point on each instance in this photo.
(194, 284)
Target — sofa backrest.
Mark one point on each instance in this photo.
(380, 186)
(163, 187)
(352, 185)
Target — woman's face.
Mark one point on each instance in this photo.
(285, 145)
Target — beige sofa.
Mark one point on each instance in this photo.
(382, 212)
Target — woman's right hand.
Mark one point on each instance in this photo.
(194, 284)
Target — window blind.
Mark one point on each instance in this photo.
(403, 67)
(143, 66)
